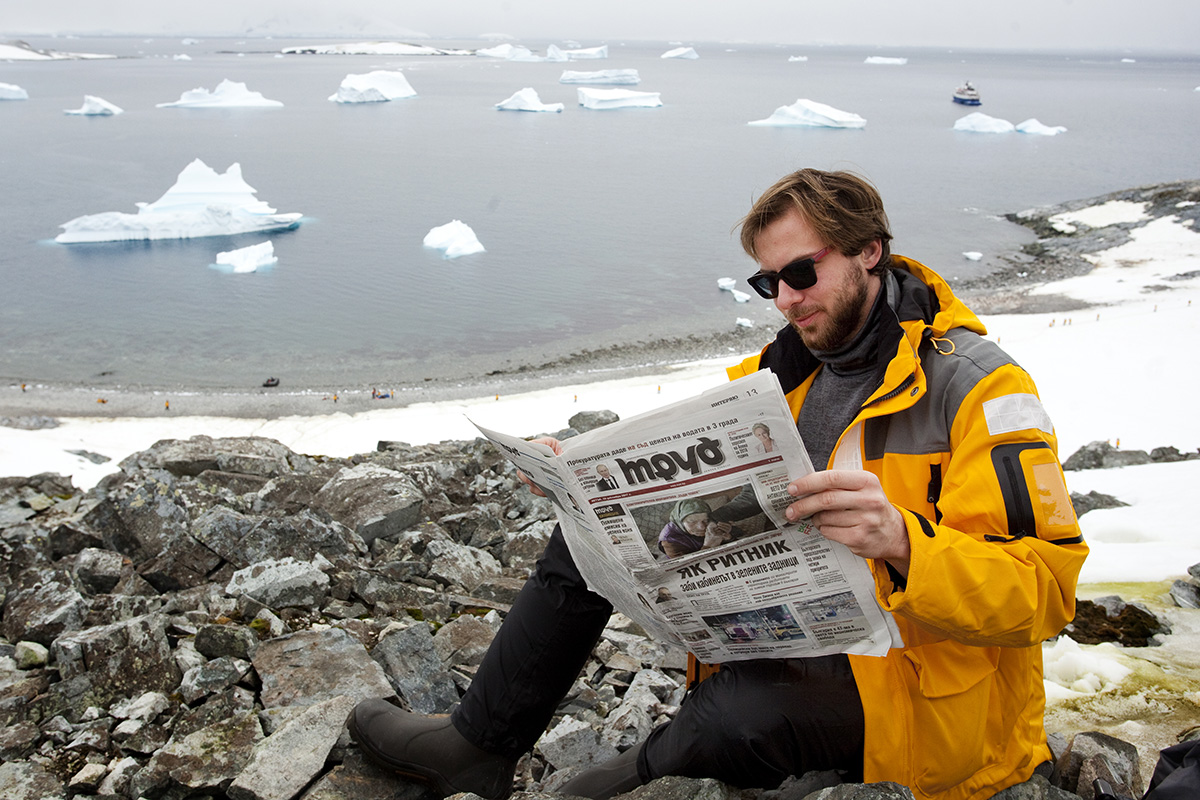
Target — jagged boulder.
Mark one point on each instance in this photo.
(1102, 455)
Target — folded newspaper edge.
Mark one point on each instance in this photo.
(676, 516)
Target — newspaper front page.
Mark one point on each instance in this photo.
(676, 516)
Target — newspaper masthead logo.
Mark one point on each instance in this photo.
(665, 466)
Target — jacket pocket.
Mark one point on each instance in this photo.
(953, 686)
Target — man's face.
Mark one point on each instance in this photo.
(602, 471)
(828, 314)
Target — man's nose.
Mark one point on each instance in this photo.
(787, 296)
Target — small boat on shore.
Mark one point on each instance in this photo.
(967, 95)
(271, 382)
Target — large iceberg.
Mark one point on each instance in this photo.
(505, 51)
(248, 259)
(811, 114)
(527, 100)
(978, 122)
(372, 49)
(10, 91)
(228, 94)
(454, 239)
(608, 77)
(681, 52)
(201, 203)
(95, 107)
(1031, 125)
(604, 99)
(378, 86)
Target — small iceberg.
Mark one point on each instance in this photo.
(454, 239)
(811, 114)
(681, 52)
(505, 51)
(371, 49)
(228, 94)
(742, 322)
(378, 86)
(604, 99)
(181, 57)
(95, 107)
(201, 203)
(885, 60)
(608, 77)
(10, 91)
(978, 122)
(726, 284)
(1031, 125)
(527, 100)
(248, 259)
(797, 58)
(585, 53)
(972, 255)
(740, 297)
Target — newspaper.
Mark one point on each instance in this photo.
(676, 516)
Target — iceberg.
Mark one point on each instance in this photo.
(95, 107)
(372, 49)
(978, 122)
(201, 203)
(681, 52)
(527, 100)
(228, 94)
(22, 51)
(248, 259)
(10, 91)
(726, 284)
(740, 297)
(454, 239)
(1031, 125)
(809, 113)
(609, 77)
(742, 322)
(587, 52)
(181, 57)
(505, 51)
(604, 99)
(885, 60)
(378, 86)
(797, 58)
(972, 255)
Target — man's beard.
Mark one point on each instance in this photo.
(841, 321)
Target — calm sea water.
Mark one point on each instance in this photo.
(601, 227)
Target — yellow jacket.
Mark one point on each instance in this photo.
(963, 449)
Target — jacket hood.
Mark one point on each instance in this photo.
(931, 300)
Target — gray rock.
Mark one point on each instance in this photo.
(120, 774)
(464, 640)
(41, 606)
(415, 670)
(287, 760)
(281, 584)
(205, 759)
(1185, 594)
(1122, 759)
(18, 741)
(356, 778)
(455, 564)
(98, 571)
(124, 659)
(371, 500)
(22, 780)
(30, 655)
(88, 779)
(884, 790)
(574, 743)
(676, 788)
(190, 457)
(236, 641)
(212, 676)
(1083, 503)
(1102, 455)
(586, 421)
(310, 666)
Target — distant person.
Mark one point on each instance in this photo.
(936, 464)
(166, 405)
(607, 481)
(765, 443)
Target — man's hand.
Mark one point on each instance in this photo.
(849, 506)
(554, 445)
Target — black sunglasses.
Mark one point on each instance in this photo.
(800, 274)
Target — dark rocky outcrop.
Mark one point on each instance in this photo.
(202, 621)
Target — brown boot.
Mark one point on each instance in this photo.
(429, 749)
(613, 777)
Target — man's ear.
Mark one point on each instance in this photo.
(872, 253)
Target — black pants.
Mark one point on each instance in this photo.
(752, 724)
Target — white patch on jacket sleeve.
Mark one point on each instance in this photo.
(1015, 412)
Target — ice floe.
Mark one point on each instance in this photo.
(95, 107)
(1031, 125)
(378, 86)
(681, 52)
(797, 58)
(248, 259)
(972, 255)
(726, 284)
(978, 122)
(739, 296)
(181, 57)
(506, 51)
(607, 77)
(23, 51)
(10, 91)
(604, 99)
(885, 60)
(372, 49)
(228, 94)
(585, 53)
(742, 322)
(201, 203)
(527, 100)
(809, 113)
(454, 239)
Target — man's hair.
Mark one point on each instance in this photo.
(844, 209)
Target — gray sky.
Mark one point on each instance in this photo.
(1061, 25)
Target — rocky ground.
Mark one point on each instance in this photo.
(200, 624)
